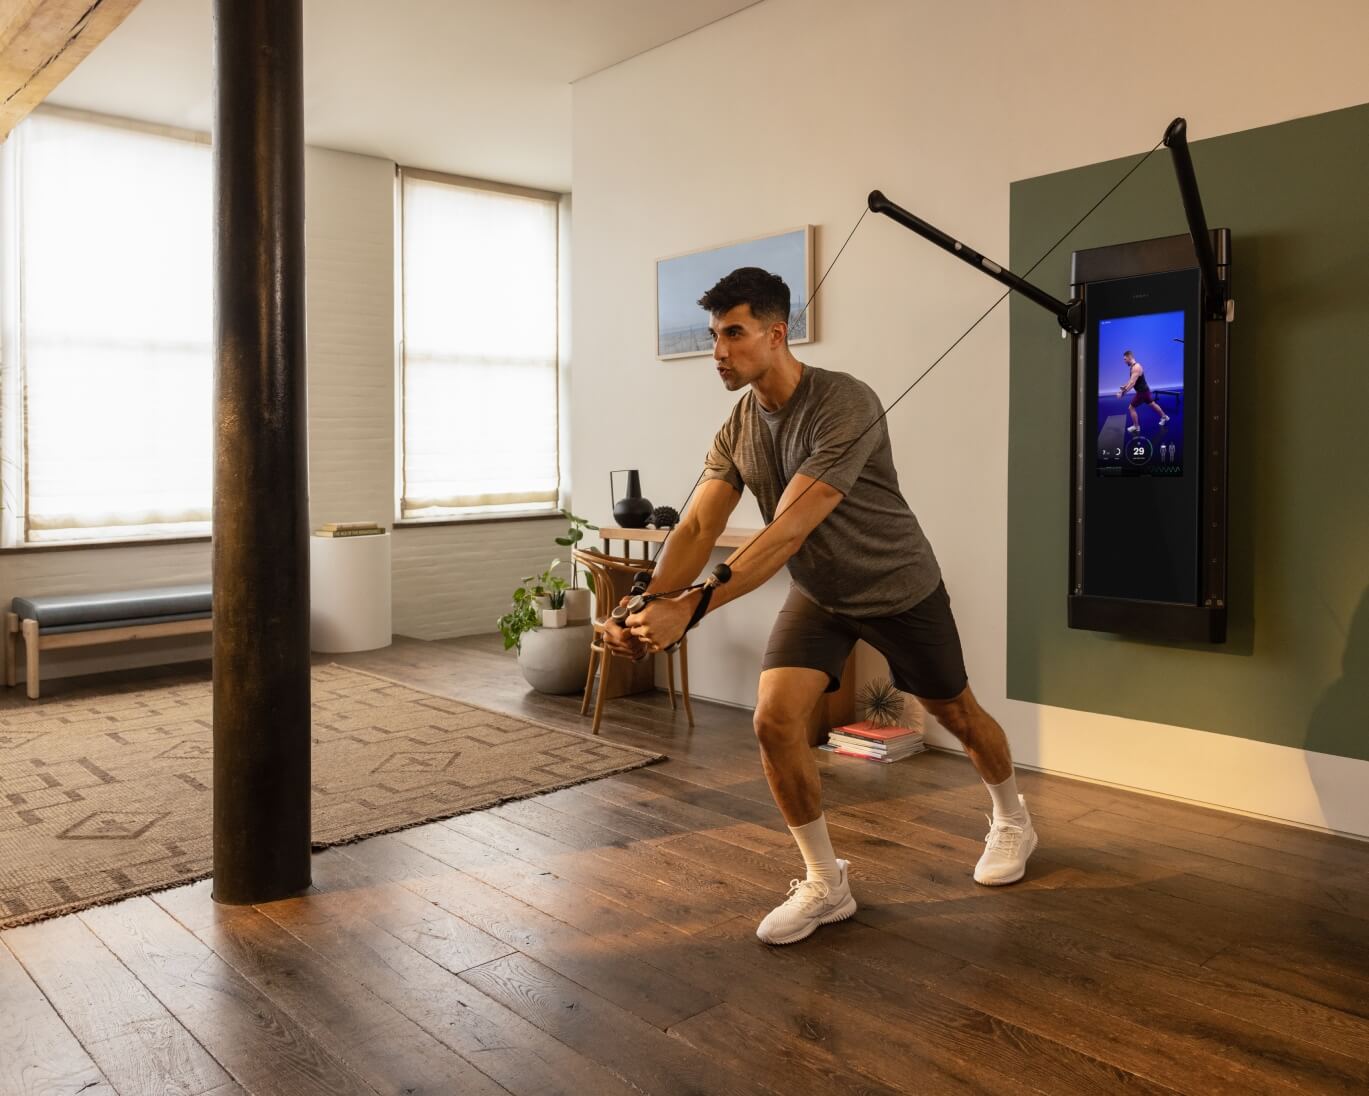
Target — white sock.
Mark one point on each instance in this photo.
(1006, 806)
(816, 847)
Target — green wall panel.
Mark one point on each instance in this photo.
(1295, 670)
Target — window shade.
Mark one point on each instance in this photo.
(479, 362)
(115, 269)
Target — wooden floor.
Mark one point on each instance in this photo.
(600, 941)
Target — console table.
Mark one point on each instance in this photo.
(731, 538)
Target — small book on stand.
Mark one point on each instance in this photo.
(348, 529)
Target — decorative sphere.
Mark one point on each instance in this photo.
(664, 517)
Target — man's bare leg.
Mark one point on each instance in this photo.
(1012, 838)
(787, 698)
(985, 743)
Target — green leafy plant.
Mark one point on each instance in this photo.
(523, 617)
(525, 614)
(556, 592)
(552, 587)
(882, 702)
(574, 535)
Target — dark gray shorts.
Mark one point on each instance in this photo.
(921, 644)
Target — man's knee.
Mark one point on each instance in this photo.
(776, 727)
(959, 714)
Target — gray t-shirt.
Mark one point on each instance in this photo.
(869, 557)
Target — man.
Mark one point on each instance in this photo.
(811, 446)
(1143, 394)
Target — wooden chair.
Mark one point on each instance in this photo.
(612, 580)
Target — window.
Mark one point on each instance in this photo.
(108, 382)
(478, 356)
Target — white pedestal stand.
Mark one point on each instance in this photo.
(349, 592)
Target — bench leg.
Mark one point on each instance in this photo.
(30, 628)
(11, 649)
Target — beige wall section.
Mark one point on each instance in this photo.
(790, 112)
(456, 580)
(350, 264)
(447, 580)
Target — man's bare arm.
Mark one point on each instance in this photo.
(688, 546)
(804, 506)
(685, 553)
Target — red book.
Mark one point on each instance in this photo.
(866, 729)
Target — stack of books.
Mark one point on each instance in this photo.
(865, 739)
(348, 529)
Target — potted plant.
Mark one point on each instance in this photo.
(553, 657)
(554, 613)
(548, 594)
(577, 597)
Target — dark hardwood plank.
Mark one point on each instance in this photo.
(1179, 978)
(1255, 966)
(577, 955)
(632, 1049)
(38, 1053)
(128, 1033)
(850, 1032)
(1340, 853)
(968, 1033)
(1033, 1005)
(736, 1039)
(391, 1053)
(1260, 869)
(261, 1047)
(960, 1048)
(501, 1044)
(686, 911)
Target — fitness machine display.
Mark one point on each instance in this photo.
(1148, 327)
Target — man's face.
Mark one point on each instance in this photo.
(743, 346)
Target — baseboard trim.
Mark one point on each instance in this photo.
(1314, 791)
(1255, 815)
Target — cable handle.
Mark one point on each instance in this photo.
(639, 599)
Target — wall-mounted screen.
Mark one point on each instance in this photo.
(1142, 481)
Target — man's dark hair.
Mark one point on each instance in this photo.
(766, 293)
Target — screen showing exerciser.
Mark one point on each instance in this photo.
(1142, 351)
(1141, 395)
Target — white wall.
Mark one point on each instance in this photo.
(447, 580)
(790, 112)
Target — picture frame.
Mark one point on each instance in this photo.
(682, 326)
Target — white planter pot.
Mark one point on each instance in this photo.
(542, 603)
(578, 608)
(554, 618)
(555, 660)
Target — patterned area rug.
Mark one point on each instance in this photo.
(107, 795)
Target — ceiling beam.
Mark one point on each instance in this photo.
(41, 41)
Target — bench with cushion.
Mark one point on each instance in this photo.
(78, 620)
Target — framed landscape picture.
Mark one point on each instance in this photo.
(682, 326)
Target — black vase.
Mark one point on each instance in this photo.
(632, 511)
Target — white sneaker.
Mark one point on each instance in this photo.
(1164, 420)
(1008, 846)
(811, 903)
(1133, 429)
